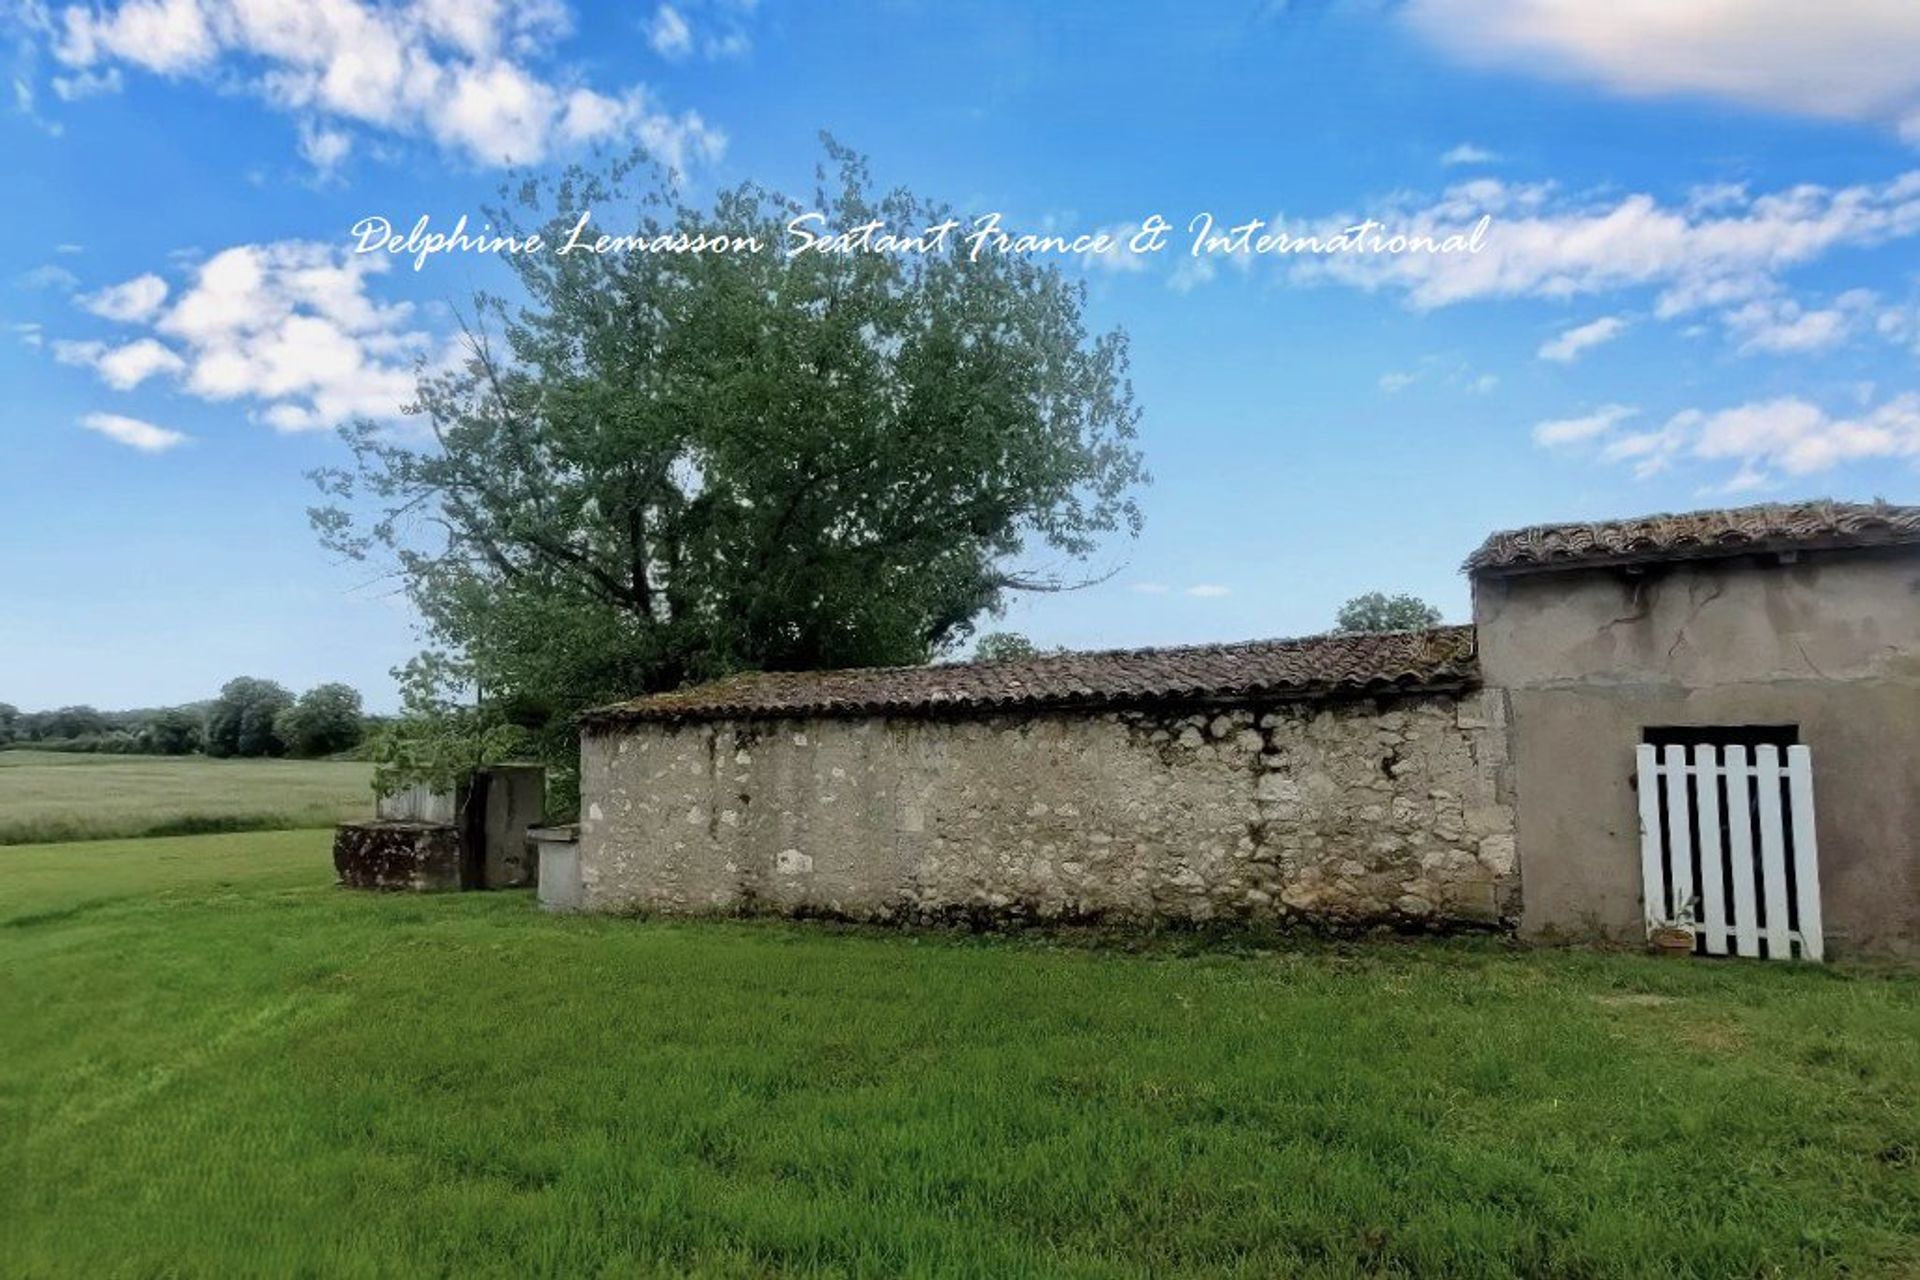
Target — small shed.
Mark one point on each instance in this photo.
(1734, 632)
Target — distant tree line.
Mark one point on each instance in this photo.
(249, 717)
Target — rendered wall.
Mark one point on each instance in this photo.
(1586, 660)
(1345, 813)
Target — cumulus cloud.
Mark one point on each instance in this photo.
(1467, 153)
(1208, 591)
(324, 148)
(1788, 434)
(134, 433)
(287, 328)
(467, 75)
(123, 367)
(1854, 61)
(669, 33)
(136, 299)
(1568, 346)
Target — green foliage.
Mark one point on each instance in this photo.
(672, 466)
(71, 722)
(1002, 646)
(87, 730)
(439, 737)
(325, 720)
(1378, 611)
(174, 731)
(240, 721)
(219, 1063)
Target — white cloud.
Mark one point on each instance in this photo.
(287, 328)
(87, 84)
(134, 433)
(1781, 326)
(1854, 61)
(133, 300)
(669, 33)
(1567, 347)
(1788, 434)
(324, 148)
(1544, 244)
(125, 367)
(1467, 153)
(467, 74)
(1209, 591)
(1442, 371)
(716, 28)
(1564, 431)
(30, 334)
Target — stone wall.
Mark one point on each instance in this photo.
(1343, 813)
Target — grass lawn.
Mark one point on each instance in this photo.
(214, 1062)
(46, 795)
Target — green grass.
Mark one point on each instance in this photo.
(49, 796)
(213, 1062)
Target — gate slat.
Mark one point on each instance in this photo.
(1679, 833)
(1746, 912)
(1806, 856)
(1713, 890)
(1773, 851)
(1653, 879)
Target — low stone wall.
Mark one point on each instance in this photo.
(1343, 813)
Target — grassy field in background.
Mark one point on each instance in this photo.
(50, 796)
(215, 1062)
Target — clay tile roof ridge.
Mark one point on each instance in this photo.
(1809, 523)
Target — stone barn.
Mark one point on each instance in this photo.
(1489, 775)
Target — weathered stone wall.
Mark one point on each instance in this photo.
(1342, 813)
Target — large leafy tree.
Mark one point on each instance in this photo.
(658, 467)
(240, 720)
(325, 719)
(1378, 611)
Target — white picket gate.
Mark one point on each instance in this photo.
(1731, 837)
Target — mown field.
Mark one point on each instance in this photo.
(49, 796)
(214, 1062)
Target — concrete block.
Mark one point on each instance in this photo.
(557, 853)
(423, 857)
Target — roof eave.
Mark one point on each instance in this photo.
(1680, 555)
(1452, 680)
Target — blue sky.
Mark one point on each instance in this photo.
(1699, 285)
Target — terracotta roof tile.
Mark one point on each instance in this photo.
(1697, 535)
(1274, 669)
